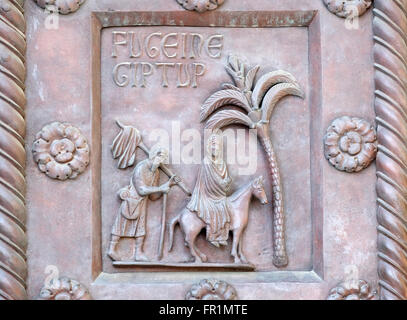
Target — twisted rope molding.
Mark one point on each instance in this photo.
(13, 241)
(390, 55)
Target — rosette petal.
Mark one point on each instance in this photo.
(350, 144)
(61, 151)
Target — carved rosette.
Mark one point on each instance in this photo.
(352, 290)
(350, 144)
(200, 5)
(63, 6)
(64, 289)
(348, 8)
(211, 290)
(390, 55)
(61, 151)
(13, 242)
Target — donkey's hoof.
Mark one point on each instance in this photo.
(238, 261)
(204, 258)
(244, 260)
(196, 259)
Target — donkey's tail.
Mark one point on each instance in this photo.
(173, 223)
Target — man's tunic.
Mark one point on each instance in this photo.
(131, 220)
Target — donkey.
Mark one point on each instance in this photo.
(239, 203)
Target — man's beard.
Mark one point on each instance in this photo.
(154, 166)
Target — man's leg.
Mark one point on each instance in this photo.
(139, 253)
(112, 248)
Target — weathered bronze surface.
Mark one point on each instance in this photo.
(132, 75)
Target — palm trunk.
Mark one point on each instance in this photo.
(280, 258)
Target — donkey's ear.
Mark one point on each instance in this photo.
(258, 182)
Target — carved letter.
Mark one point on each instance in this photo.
(181, 84)
(145, 72)
(117, 42)
(196, 50)
(132, 45)
(196, 73)
(164, 78)
(184, 45)
(134, 73)
(217, 45)
(124, 77)
(153, 51)
(164, 45)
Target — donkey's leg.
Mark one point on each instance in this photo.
(190, 243)
(192, 226)
(240, 249)
(236, 240)
(190, 239)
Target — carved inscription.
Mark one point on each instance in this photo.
(155, 55)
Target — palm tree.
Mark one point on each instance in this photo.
(256, 102)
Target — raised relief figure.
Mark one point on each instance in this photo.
(144, 186)
(213, 207)
(209, 198)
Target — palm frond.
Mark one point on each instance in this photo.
(251, 74)
(222, 98)
(227, 117)
(230, 86)
(237, 76)
(267, 81)
(234, 62)
(275, 94)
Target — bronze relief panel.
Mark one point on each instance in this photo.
(178, 63)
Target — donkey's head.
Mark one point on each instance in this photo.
(258, 190)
